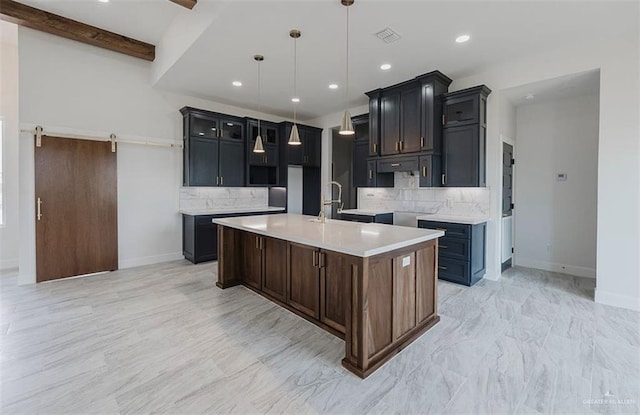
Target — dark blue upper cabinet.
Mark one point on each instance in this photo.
(213, 153)
(308, 153)
(464, 136)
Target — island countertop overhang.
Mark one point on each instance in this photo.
(351, 238)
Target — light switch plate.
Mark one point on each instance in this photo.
(561, 177)
(406, 261)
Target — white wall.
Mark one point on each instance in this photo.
(69, 87)
(618, 228)
(556, 220)
(9, 114)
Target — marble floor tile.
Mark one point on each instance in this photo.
(163, 339)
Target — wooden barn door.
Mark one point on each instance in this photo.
(76, 208)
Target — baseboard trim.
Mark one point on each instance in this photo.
(148, 260)
(7, 264)
(554, 267)
(617, 300)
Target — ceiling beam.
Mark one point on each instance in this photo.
(27, 16)
(189, 4)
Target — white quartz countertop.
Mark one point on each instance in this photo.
(227, 211)
(466, 220)
(352, 238)
(366, 212)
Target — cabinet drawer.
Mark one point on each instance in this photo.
(455, 230)
(456, 248)
(453, 270)
(357, 218)
(398, 164)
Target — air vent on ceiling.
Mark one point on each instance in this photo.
(388, 35)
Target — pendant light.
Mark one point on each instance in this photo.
(346, 126)
(258, 147)
(294, 137)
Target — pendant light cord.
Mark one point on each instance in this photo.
(295, 75)
(346, 93)
(259, 100)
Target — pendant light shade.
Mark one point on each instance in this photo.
(346, 126)
(294, 137)
(258, 147)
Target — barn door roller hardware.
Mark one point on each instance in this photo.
(38, 136)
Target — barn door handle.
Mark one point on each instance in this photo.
(39, 209)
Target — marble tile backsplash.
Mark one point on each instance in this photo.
(199, 198)
(408, 196)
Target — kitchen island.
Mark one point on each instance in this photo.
(370, 284)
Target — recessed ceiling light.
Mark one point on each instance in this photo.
(236, 83)
(385, 66)
(529, 96)
(333, 86)
(103, 1)
(295, 99)
(462, 38)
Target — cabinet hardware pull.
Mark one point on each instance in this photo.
(39, 208)
(444, 246)
(221, 179)
(421, 141)
(375, 148)
(315, 263)
(261, 243)
(322, 259)
(424, 171)
(401, 145)
(397, 146)
(217, 180)
(395, 164)
(257, 243)
(441, 267)
(370, 174)
(442, 179)
(444, 119)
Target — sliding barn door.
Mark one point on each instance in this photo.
(76, 208)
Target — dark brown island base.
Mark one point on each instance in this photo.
(370, 284)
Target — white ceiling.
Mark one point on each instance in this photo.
(500, 31)
(583, 83)
(144, 20)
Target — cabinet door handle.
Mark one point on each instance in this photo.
(217, 180)
(39, 215)
(315, 261)
(421, 141)
(424, 171)
(321, 256)
(395, 164)
(401, 145)
(375, 148)
(442, 268)
(444, 119)
(397, 147)
(221, 180)
(442, 179)
(370, 174)
(444, 246)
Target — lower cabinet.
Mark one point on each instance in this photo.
(308, 279)
(200, 235)
(252, 264)
(199, 238)
(274, 281)
(304, 280)
(461, 257)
